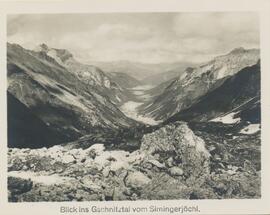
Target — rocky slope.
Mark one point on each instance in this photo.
(238, 97)
(54, 94)
(172, 163)
(27, 130)
(88, 74)
(196, 82)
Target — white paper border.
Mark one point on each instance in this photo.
(259, 206)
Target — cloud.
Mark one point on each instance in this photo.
(217, 32)
(145, 37)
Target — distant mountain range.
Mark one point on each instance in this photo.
(124, 79)
(153, 74)
(176, 70)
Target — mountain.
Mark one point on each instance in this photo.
(58, 97)
(124, 80)
(137, 70)
(27, 130)
(80, 145)
(89, 74)
(195, 82)
(238, 98)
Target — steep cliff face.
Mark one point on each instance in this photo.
(195, 82)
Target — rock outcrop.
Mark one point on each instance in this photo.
(176, 144)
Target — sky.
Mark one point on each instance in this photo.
(140, 37)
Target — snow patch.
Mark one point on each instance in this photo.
(227, 119)
(43, 179)
(251, 129)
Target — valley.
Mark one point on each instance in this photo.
(130, 108)
(79, 132)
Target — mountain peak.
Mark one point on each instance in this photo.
(238, 50)
(61, 54)
(44, 46)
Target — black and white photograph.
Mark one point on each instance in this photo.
(130, 106)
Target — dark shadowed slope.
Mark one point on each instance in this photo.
(25, 130)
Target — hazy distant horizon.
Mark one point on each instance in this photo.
(149, 38)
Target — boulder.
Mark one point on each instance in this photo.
(173, 137)
(15, 163)
(96, 149)
(136, 180)
(89, 184)
(177, 143)
(176, 171)
(169, 162)
(18, 185)
(68, 158)
(114, 159)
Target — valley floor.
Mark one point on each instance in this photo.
(130, 108)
